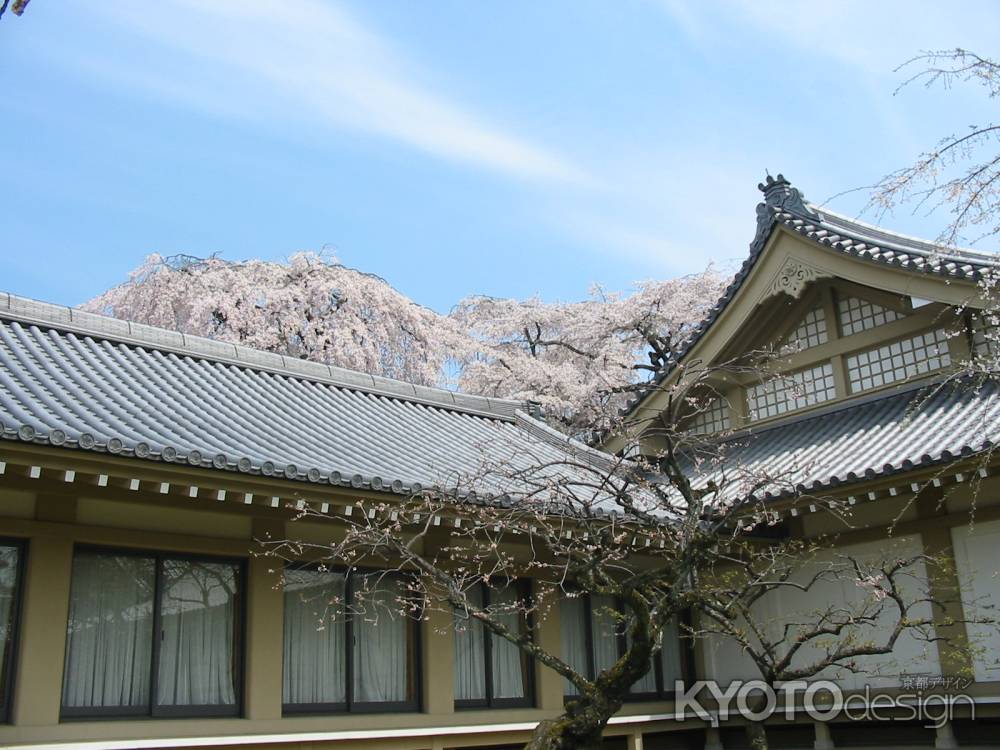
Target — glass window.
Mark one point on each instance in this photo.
(793, 391)
(349, 644)
(810, 332)
(710, 416)
(11, 561)
(858, 315)
(152, 635)
(490, 671)
(594, 638)
(899, 360)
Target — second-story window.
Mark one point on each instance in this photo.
(490, 671)
(890, 363)
(350, 643)
(710, 416)
(795, 390)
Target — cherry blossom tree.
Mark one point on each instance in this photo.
(961, 172)
(580, 359)
(310, 307)
(671, 554)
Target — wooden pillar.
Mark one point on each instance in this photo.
(438, 636)
(548, 630)
(265, 627)
(634, 741)
(954, 654)
(42, 633)
(823, 739)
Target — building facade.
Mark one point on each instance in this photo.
(141, 470)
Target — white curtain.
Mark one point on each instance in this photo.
(605, 630)
(110, 634)
(646, 683)
(197, 648)
(670, 656)
(507, 661)
(470, 653)
(381, 643)
(573, 625)
(315, 638)
(9, 563)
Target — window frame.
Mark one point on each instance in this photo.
(528, 701)
(8, 664)
(661, 693)
(151, 710)
(349, 705)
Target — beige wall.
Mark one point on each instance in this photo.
(54, 515)
(53, 523)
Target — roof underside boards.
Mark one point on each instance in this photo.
(785, 206)
(877, 438)
(94, 393)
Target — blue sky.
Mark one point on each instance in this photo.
(453, 147)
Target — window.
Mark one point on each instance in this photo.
(348, 646)
(858, 315)
(796, 390)
(898, 361)
(151, 634)
(710, 417)
(593, 639)
(11, 564)
(490, 671)
(985, 335)
(810, 332)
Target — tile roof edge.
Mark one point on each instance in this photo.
(888, 237)
(769, 218)
(586, 453)
(72, 320)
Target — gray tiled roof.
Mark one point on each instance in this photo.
(90, 382)
(867, 439)
(784, 205)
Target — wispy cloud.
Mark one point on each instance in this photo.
(874, 37)
(305, 63)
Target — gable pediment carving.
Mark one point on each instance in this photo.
(792, 278)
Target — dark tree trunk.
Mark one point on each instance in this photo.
(756, 735)
(582, 724)
(581, 727)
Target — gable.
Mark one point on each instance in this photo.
(772, 302)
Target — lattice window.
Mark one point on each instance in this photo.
(712, 416)
(809, 333)
(793, 391)
(858, 315)
(985, 337)
(898, 361)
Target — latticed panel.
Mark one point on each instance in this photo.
(858, 315)
(985, 337)
(899, 360)
(792, 391)
(712, 416)
(809, 333)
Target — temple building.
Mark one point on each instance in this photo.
(139, 468)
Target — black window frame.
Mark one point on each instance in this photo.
(8, 664)
(349, 705)
(151, 710)
(661, 693)
(528, 701)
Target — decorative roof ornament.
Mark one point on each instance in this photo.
(779, 195)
